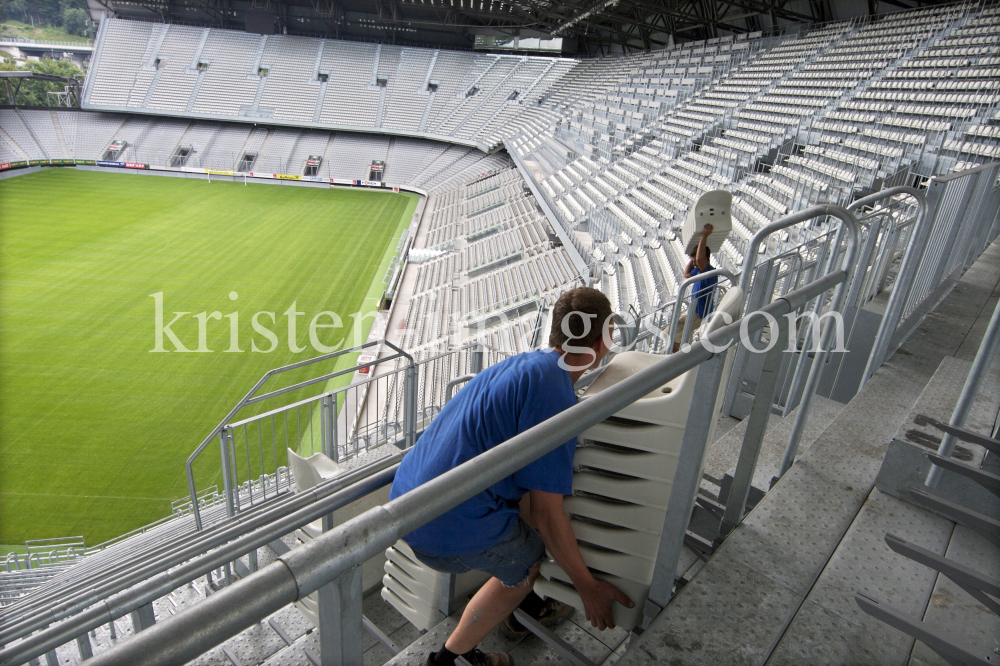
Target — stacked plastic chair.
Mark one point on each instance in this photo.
(307, 473)
(416, 590)
(624, 471)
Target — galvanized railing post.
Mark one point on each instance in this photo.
(83, 645)
(227, 481)
(904, 283)
(328, 426)
(798, 375)
(977, 373)
(234, 480)
(687, 478)
(340, 623)
(849, 265)
(410, 404)
(142, 618)
(756, 427)
(334, 431)
(477, 359)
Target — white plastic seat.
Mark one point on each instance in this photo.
(307, 473)
(623, 478)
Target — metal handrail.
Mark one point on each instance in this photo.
(849, 265)
(676, 314)
(251, 396)
(304, 570)
(904, 279)
(132, 585)
(449, 390)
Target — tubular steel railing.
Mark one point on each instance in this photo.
(241, 486)
(134, 583)
(959, 218)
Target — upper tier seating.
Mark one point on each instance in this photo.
(213, 73)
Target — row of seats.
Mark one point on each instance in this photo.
(819, 110)
(222, 73)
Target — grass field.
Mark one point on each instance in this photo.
(94, 428)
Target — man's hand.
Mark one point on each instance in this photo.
(597, 597)
(707, 230)
(557, 533)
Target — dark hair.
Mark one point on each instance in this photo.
(590, 307)
(708, 252)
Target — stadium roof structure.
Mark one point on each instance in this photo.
(12, 86)
(589, 27)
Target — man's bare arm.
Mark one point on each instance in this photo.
(701, 257)
(554, 526)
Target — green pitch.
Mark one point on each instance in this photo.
(94, 427)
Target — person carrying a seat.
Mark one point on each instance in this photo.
(702, 291)
(506, 529)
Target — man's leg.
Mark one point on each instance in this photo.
(488, 608)
(679, 333)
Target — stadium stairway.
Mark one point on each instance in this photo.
(780, 589)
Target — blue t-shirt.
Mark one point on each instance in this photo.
(500, 402)
(702, 291)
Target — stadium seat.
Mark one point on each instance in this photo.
(713, 208)
(623, 477)
(307, 473)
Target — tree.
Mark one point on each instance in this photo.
(75, 21)
(41, 12)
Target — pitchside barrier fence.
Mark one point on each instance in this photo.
(844, 271)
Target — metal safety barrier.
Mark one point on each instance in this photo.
(323, 419)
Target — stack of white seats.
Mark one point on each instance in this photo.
(624, 476)
(415, 590)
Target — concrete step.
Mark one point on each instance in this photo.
(753, 594)
(725, 452)
(602, 647)
(829, 609)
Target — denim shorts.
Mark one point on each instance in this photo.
(510, 560)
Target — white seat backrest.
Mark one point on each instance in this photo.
(729, 307)
(309, 472)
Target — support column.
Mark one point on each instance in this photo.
(340, 621)
(142, 618)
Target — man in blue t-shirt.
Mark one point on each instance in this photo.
(702, 291)
(490, 532)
